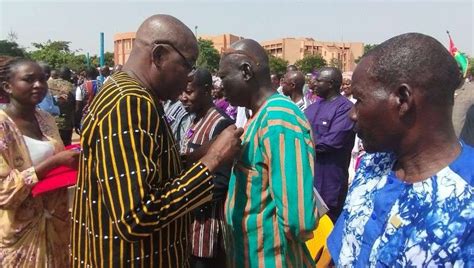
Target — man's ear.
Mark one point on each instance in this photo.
(404, 94)
(157, 55)
(247, 71)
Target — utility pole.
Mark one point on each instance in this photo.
(102, 55)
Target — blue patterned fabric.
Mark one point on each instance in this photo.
(48, 104)
(386, 222)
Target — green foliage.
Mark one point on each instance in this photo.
(309, 62)
(208, 56)
(277, 65)
(367, 48)
(53, 45)
(78, 63)
(11, 48)
(109, 59)
(56, 54)
(470, 68)
(336, 63)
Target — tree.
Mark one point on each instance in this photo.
(309, 62)
(56, 54)
(277, 65)
(470, 68)
(12, 36)
(79, 63)
(11, 48)
(208, 56)
(109, 59)
(367, 48)
(336, 63)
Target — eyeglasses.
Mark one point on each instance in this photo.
(319, 80)
(189, 65)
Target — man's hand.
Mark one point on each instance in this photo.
(198, 153)
(224, 148)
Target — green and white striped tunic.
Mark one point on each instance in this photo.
(271, 208)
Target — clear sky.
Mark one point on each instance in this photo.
(363, 21)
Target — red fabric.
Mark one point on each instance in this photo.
(57, 178)
(452, 47)
(4, 98)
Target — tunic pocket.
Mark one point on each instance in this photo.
(322, 126)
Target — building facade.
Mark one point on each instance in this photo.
(123, 43)
(339, 54)
(223, 41)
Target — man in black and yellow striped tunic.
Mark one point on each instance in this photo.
(133, 198)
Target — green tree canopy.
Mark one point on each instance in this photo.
(470, 68)
(277, 65)
(208, 56)
(11, 48)
(336, 63)
(309, 62)
(109, 59)
(57, 54)
(367, 48)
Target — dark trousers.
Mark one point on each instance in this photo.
(336, 209)
(219, 261)
(66, 136)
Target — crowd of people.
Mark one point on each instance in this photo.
(180, 167)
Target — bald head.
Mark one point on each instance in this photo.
(292, 85)
(418, 60)
(291, 68)
(333, 74)
(252, 52)
(245, 73)
(166, 28)
(163, 55)
(297, 78)
(405, 91)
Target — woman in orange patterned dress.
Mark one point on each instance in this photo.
(34, 232)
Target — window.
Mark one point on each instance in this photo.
(128, 44)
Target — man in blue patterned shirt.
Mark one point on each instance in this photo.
(411, 202)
